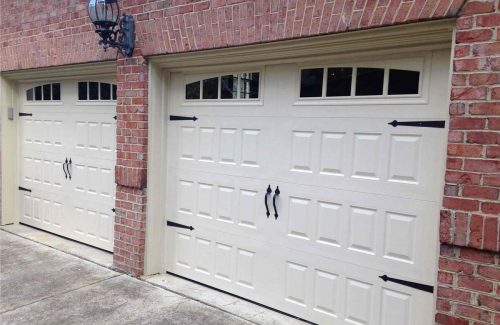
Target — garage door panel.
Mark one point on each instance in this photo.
(361, 228)
(358, 198)
(217, 259)
(68, 156)
(221, 145)
(94, 134)
(306, 286)
(219, 202)
(359, 155)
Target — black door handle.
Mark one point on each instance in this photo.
(276, 193)
(68, 167)
(64, 168)
(268, 192)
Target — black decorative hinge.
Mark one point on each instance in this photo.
(415, 285)
(114, 210)
(24, 189)
(182, 118)
(422, 124)
(114, 117)
(25, 114)
(178, 225)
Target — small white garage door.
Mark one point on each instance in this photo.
(67, 159)
(358, 199)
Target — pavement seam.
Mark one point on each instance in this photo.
(60, 293)
(121, 273)
(200, 301)
(62, 251)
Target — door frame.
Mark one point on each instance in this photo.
(10, 140)
(377, 42)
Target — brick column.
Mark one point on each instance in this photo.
(131, 164)
(469, 271)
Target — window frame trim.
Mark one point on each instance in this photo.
(219, 100)
(394, 63)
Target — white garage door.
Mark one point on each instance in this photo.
(67, 159)
(358, 200)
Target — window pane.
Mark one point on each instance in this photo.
(38, 93)
(93, 91)
(403, 82)
(369, 81)
(46, 92)
(249, 85)
(29, 94)
(105, 91)
(229, 86)
(193, 90)
(82, 91)
(211, 88)
(56, 91)
(311, 82)
(114, 92)
(339, 82)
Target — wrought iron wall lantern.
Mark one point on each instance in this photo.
(105, 15)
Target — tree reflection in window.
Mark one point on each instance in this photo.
(232, 86)
(46, 92)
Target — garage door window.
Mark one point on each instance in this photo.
(91, 90)
(358, 81)
(225, 87)
(46, 92)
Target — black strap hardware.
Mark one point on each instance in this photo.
(178, 225)
(415, 285)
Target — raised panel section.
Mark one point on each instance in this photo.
(250, 148)
(299, 214)
(358, 302)
(81, 134)
(205, 200)
(404, 158)
(182, 250)
(296, 283)
(207, 151)
(301, 160)
(204, 256)
(395, 308)
(187, 143)
(362, 230)
(366, 156)
(94, 136)
(223, 262)
(400, 237)
(186, 193)
(247, 208)
(245, 266)
(326, 286)
(108, 141)
(328, 228)
(332, 153)
(225, 204)
(106, 222)
(227, 147)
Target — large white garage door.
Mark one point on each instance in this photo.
(358, 199)
(67, 159)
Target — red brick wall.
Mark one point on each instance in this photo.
(131, 164)
(51, 33)
(469, 271)
(57, 32)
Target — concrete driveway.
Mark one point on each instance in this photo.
(41, 285)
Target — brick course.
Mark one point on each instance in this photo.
(34, 34)
(469, 269)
